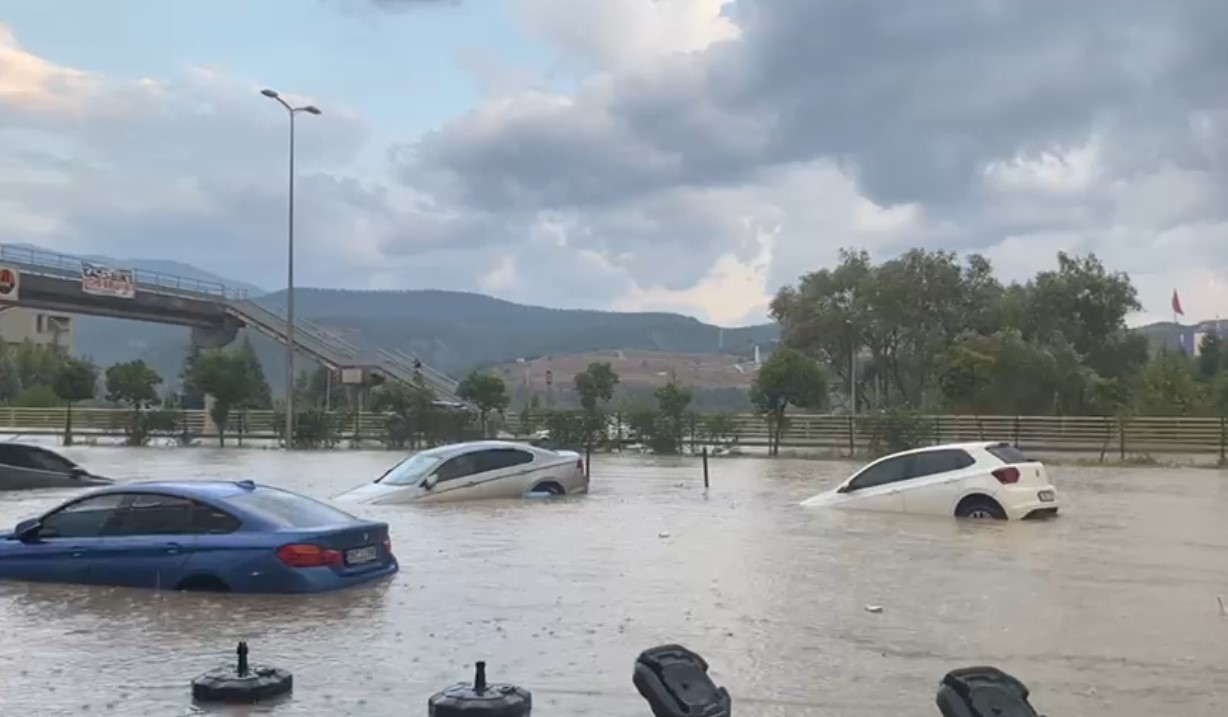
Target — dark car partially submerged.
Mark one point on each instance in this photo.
(29, 467)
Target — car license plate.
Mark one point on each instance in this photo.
(358, 556)
(1046, 496)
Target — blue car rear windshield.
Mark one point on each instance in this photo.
(290, 510)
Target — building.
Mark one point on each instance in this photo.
(48, 328)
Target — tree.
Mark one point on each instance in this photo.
(530, 415)
(132, 383)
(595, 387)
(905, 313)
(319, 389)
(259, 395)
(1211, 355)
(75, 380)
(673, 403)
(135, 384)
(409, 408)
(1169, 387)
(228, 378)
(486, 391)
(786, 379)
(191, 397)
(941, 332)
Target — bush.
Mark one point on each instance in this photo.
(894, 430)
(141, 425)
(313, 428)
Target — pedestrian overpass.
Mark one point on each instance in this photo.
(214, 311)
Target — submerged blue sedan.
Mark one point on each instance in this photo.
(210, 536)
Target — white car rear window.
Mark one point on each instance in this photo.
(1008, 454)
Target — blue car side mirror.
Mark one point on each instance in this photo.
(27, 529)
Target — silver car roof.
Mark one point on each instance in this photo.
(456, 449)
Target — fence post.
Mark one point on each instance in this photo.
(1016, 441)
(852, 431)
(1121, 436)
(705, 467)
(1223, 428)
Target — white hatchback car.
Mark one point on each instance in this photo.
(967, 480)
(476, 470)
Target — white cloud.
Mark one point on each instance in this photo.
(709, 153)
(617, 35)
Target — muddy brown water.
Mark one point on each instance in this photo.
(1109, 610)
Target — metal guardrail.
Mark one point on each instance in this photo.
(1128, 436)
(1138, 435)
(432, 375)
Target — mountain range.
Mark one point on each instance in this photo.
(454, 332)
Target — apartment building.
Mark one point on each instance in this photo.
(18, 324)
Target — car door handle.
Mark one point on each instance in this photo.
(77, 552)
(172, 549)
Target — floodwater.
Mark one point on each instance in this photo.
(1109, 610)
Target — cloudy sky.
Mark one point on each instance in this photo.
(688, 155)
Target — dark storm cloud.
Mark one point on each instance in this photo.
(913, 98)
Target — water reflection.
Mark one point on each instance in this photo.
(1108, 610)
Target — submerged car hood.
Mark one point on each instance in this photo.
(827, 497)
(372, 493)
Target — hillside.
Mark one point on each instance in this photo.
(453, 331)
(725, 379)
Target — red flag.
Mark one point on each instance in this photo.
(1177, 304)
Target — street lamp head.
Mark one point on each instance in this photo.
(312, 109)
(269, 93)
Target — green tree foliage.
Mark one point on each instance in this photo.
(941, 334)
(233, 380)
(673, 407)
(259, 395)
(787, 378)
(410, 412)
(1212, 354)
(319, 389)
(486, 391)
(1169, 386)
(595, 387)
(191, 397)
(134, 384)
(75, 380)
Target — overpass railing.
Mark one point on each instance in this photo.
(401, 368)
(307, 337)
(65, 266)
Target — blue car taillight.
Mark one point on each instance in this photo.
(303, 555)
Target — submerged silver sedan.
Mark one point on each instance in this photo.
(476, 470)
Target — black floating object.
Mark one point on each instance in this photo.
(481, 699)
(675, 683)
(244, 683)
(983, 692)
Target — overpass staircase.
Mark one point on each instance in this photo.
(322, 346)
(335, 352)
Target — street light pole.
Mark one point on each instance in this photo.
(292, 111)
